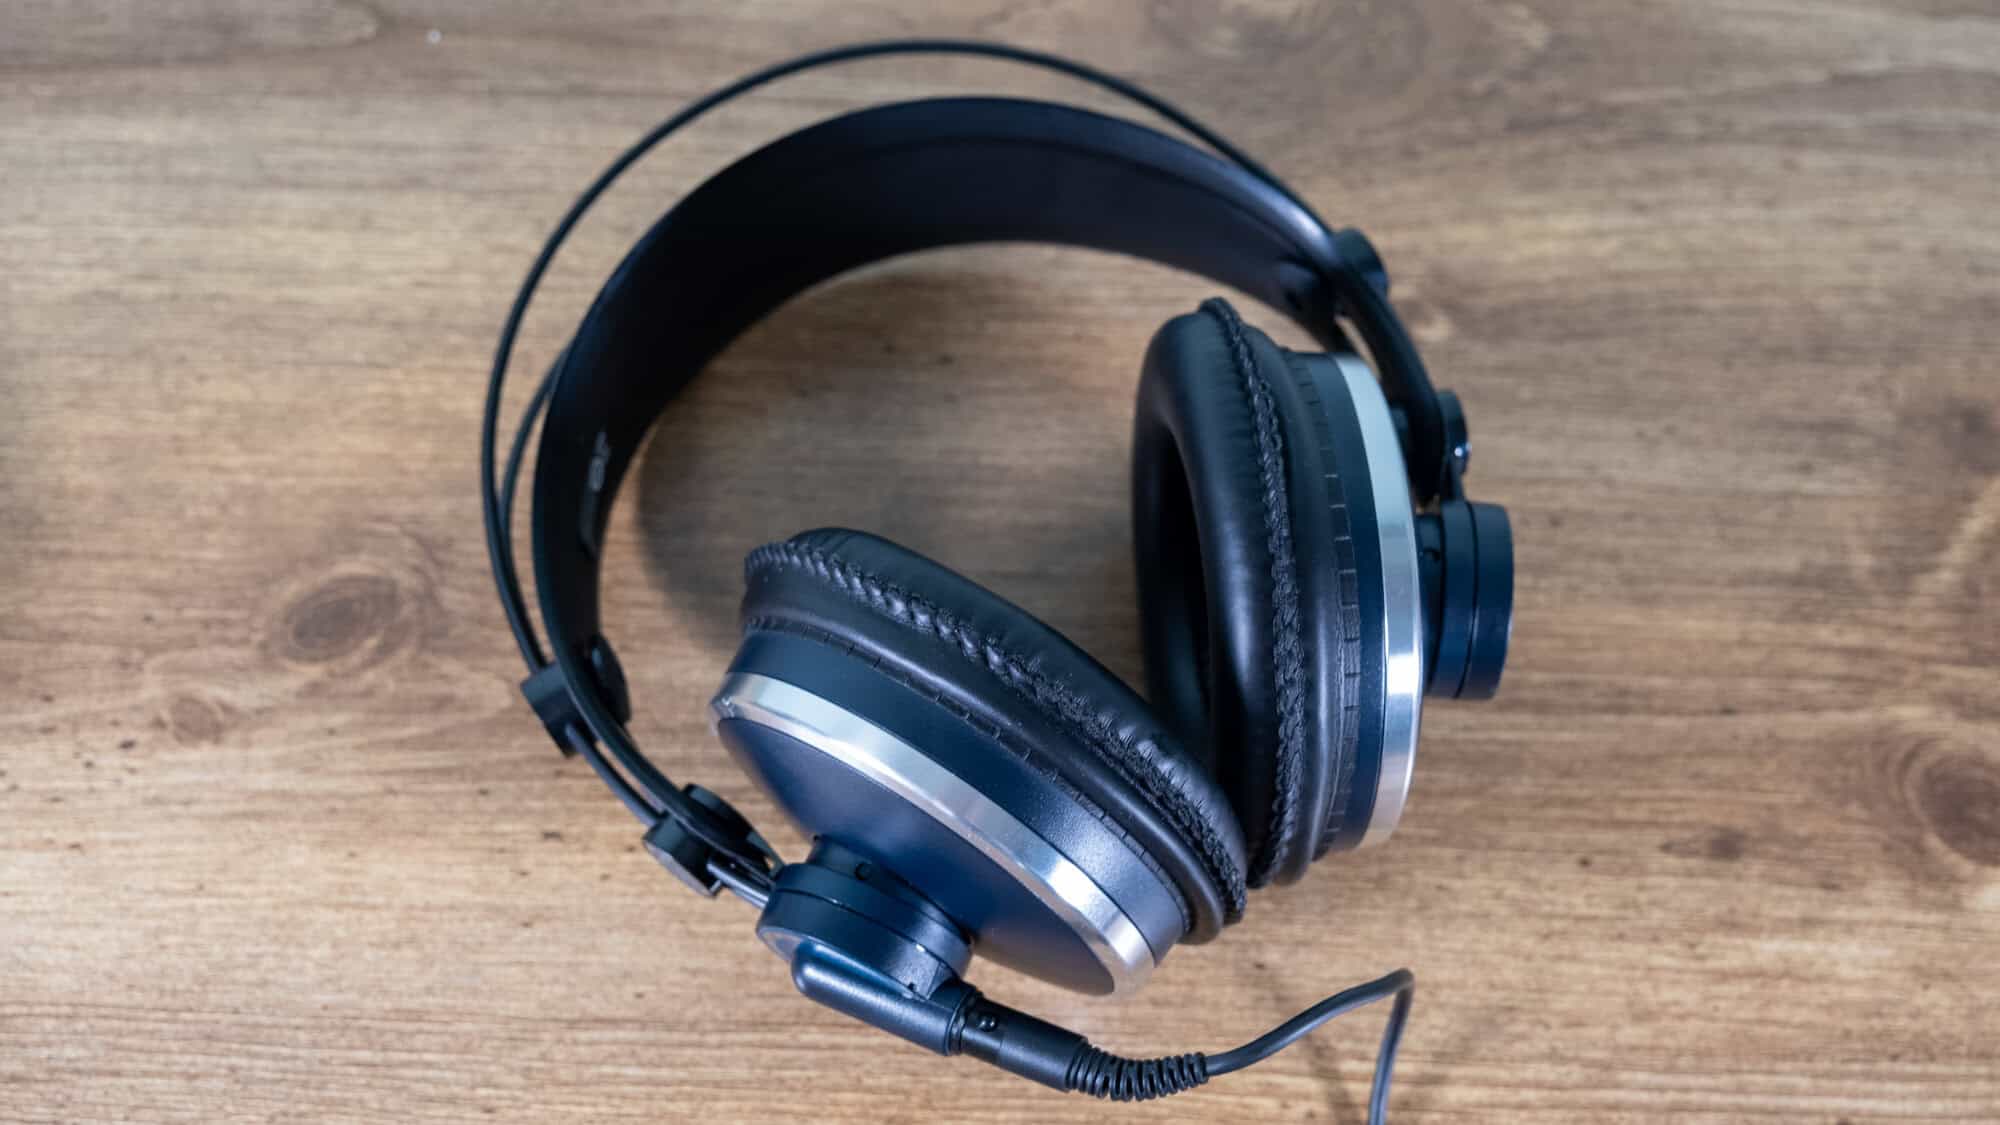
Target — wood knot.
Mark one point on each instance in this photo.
(359, 603)
(193, 720)
(1958, 796)
(1722, 845)
(343, 616)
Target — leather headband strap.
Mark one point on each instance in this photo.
(871, 185)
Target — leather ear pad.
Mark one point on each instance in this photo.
(1246, 580)
(1066, 713)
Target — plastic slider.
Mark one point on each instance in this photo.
(683, 853)
(1359, 254)
(548, 693)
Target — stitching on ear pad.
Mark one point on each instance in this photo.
(1062, 711)
(1247, 585)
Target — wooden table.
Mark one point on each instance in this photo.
(1717, 283)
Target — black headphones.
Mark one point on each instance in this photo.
(1308, 569)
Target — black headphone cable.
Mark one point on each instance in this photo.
(1024, 1045)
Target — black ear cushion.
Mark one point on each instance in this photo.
(1051, 702)
(1246, 580)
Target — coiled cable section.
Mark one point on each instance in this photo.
(1102, 1074)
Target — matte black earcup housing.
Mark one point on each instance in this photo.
(1248, 581)
(1036, 698)
(1467, 552)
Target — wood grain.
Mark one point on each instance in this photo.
(279, 841)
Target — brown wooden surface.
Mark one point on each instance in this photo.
(279, 841)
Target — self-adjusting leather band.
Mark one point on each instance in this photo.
(854, 190)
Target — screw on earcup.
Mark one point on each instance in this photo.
(1255, 569)
(1015, 714)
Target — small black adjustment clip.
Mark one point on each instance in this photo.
(691, 859)
(548, 693)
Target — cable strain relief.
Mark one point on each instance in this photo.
(1102, 1074)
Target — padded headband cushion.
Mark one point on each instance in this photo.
(1246, 580)
(1064, 712)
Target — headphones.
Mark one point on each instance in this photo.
(1308, 569)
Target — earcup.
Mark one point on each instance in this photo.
(1038, 698)
(1249, 592)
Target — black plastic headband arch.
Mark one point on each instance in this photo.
(854, 190)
